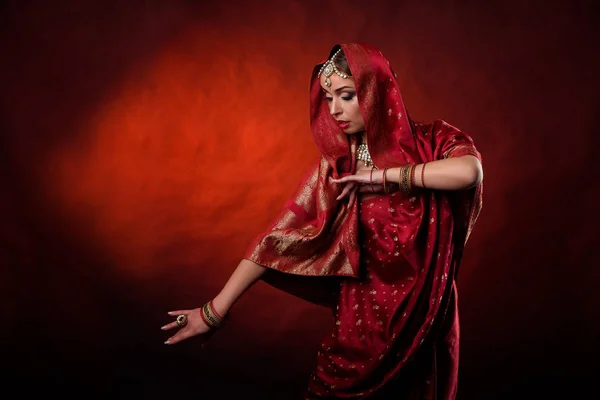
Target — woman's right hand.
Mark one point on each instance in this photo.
(366, 180)
(194, 326)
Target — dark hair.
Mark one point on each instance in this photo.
(340, 60)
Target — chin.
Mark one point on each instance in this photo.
(352, 131)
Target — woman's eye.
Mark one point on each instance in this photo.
(348, 97)
(329, 98)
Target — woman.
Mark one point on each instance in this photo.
(382, 221)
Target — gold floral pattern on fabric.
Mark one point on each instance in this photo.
(297, 244)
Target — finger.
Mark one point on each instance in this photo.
(174, 323)
(341, 196)
(178, 312)
(169, 326)
(345, 191)
(342, 179)
(179, 336)
(359, 178)
(352, 198)
(184, 334)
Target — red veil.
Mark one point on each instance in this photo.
(318, 236)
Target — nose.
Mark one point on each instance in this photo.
(334, 107)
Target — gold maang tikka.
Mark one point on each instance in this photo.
(329, 68)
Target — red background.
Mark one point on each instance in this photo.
(145, 143)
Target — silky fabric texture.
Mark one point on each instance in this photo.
(396, 329)
(386, 265)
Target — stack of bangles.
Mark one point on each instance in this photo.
(210, 316)
(406, 177)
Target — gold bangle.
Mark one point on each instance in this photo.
(218, 321)
(212, 320)
(423, 176)
(400, 177)
(411, 170)
(405, 178)
(207, 318)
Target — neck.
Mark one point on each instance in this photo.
(363, 137)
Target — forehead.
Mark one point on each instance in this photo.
(336, 82)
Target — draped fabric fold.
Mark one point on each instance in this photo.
(388, 264)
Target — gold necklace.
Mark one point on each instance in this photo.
(362, 154)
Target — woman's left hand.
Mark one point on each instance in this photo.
(191, 325)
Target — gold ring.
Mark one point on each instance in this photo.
(181, 320)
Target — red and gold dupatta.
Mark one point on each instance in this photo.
(317, 235)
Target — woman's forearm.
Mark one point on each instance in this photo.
(244, 276)
(448, 174)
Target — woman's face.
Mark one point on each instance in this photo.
(343, 104)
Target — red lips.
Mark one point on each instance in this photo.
(343, 124)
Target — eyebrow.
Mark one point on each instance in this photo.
(339, 89)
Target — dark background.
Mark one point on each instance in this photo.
(144, 143)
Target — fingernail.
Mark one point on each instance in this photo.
(170, 313)
(163, 327)
(168, 342)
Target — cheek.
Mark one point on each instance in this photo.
(357, 116)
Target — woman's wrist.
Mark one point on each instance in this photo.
(211, 316)
(221, 305)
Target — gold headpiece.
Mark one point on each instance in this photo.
(329, 68)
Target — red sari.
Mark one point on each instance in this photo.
(387, 265)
